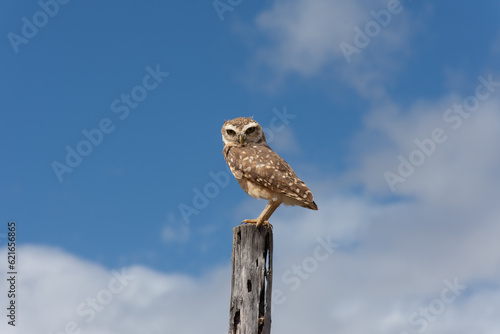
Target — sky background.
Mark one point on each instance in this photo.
(351, 93)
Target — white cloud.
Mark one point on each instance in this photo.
(52, 285)
(307, 33)
(465, 163)
(305, 38)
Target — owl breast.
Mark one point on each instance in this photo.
(256, 191)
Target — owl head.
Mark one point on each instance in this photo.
(242, 131)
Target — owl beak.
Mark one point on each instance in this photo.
(241, 139)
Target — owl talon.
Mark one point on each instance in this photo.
(256, 222)
(263, 222)
(266, 223)
(249, 221)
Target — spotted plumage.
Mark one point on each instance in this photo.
(260, 171)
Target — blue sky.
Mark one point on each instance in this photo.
(341, 121)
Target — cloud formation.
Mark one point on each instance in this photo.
(59, 292)
(359, 42)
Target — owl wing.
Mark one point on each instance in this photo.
(260, 164)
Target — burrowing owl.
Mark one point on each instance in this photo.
(260, 171)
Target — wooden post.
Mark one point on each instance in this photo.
(251, 282)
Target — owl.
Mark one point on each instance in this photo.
(260, 171)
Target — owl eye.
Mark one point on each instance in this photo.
(230, 132)
(250, 130)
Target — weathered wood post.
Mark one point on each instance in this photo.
(251, 282)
